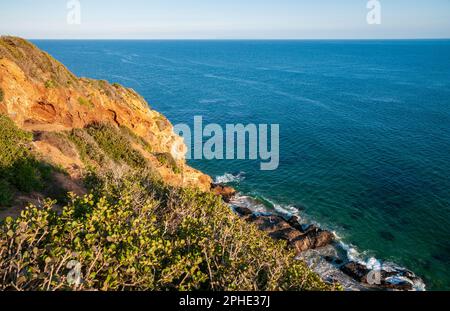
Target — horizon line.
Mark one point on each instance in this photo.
(236, 39)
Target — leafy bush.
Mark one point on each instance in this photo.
(133, 233)
(137, 139)
(50, 84)
(29, 174)
(5, 193)
(116, 145)
(88, 149)
(85, 102)
(13, 142)
(13, 155)
(167, 160)
(18, 167)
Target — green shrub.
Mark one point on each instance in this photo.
(50, 84)
(134, 233)
(167, 160)
(85, 102)
(13, 142)
(2, 95)
(6, 195)
(18, 167)
(89, 151)
(116, 145)
(26, 175)
(137, 139)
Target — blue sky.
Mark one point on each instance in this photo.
(225, 19)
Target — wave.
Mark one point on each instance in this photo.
(229, 178)
(319, 259)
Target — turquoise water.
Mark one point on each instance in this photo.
(364, 127)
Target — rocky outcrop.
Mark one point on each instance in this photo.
(297, 237)
(312, 238)
(395, 279)
(41, 95)
(356, 270)
(224, 191)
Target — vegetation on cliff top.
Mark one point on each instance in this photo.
(42, 68)
(35, 63)
(19, 169)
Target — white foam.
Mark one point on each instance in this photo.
(229, 178)
(250, 203)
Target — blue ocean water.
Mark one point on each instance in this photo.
(364, 127)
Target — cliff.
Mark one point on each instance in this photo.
(42, 96)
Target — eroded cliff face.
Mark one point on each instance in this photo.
(41, 95)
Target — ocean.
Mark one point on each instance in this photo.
(364, 129)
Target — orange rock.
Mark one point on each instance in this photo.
(40, 94)
(224, 191)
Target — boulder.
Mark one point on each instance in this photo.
(401, 285)
(243, 211)
(333, 260)
(227, 193)
(287, 234)
(270, 223)
(312, 238)
(291, 231)
(294, 221)
(387, 279)
(356, 271)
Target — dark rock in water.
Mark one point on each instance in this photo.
(387, 235)
(356, 271)
(243, 211)
(329, 258)
(294, 221)
(401, 285)
(270, 224)
(300, 240)
(333, 260)
(227, 193)
(386, 279)
(287, 234)
(312, 238)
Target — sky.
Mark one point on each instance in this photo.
(225, 19)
